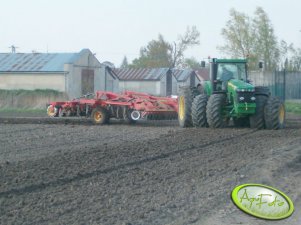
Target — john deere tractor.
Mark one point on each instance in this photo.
(229, 96)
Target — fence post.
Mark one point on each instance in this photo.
(284, 84)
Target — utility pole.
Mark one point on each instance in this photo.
(13, 48)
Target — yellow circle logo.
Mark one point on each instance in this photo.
(262, 201)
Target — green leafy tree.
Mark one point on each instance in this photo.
(238, 35)
(160, 53)
(266, 44)
(124, 63)
(294, 61)
(191, 63)
(251, 37)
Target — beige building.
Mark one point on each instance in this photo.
(155, 81)
(72, 73)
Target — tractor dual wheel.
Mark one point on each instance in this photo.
(100, 116)
(214, 111)
(257, 120)
(184, 107)
(274, 114)
(198, 111)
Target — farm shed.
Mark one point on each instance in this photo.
(186, 77)
(72, 73)
(203, 74)
(156, 81)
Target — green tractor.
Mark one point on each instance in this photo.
(229, 95)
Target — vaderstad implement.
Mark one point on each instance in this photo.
(103, 105)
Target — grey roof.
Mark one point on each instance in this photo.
(141, 74)
(36, 62)
(182, 75)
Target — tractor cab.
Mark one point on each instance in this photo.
(222, 71)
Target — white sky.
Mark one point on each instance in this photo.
(115, 28)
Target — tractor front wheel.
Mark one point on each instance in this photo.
(257, 120)
(198, 111)
(274, 114)
(184, 107)
(99, 116)
(214, 111)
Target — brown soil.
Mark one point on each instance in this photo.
(73, 172)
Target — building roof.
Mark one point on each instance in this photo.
(182, 75)
(203, 74)
(36, 62)
(141, 74)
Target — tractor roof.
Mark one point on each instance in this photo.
(231, 60)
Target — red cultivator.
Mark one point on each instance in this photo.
(103, 105)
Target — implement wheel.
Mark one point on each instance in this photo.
(274, 114)
(214, 112)
(52, 111)
(257, 120)
(184, 106)
(198, 111)
(99, 116)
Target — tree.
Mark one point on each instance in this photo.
(294, 61)
(157, 53)
(160, 53)
(191, 63)
(253, 38)
(266, 44)
(239, 35)
(189, 39)
(124, 63)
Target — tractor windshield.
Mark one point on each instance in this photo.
(227, 71)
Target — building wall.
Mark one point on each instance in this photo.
(32, 81)
(150, 87)
(187, 83)
(163, 86)
(87, 61)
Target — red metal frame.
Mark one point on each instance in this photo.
(144, 103)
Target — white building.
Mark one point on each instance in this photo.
(72, 73)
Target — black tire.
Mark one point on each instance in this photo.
(184, 107)
(241, 122)
(262, 90)
(127, 117)
(274, 114)
(257, 120)
(214, 113)
(100, 116)
(198, 111)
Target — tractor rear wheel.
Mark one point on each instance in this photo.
(274, 114)
(198, 111)
(184, 107)
(100, 116)
(214, 112)
(257, 120)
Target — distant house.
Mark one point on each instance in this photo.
(156, 81)
(203, 74)
(186, 77)
(72, 73)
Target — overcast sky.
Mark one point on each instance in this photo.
(115, 28)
